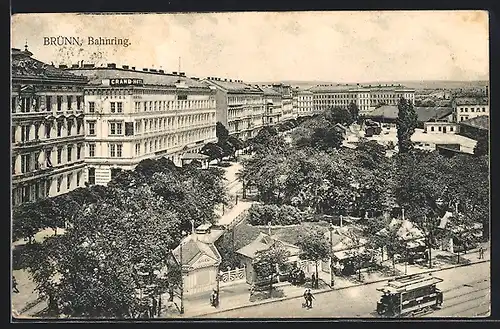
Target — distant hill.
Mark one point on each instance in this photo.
(430, 84)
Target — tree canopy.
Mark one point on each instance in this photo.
(405, 124)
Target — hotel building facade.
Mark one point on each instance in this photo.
(366, 97)
(132, 115)
(240, 106)
(47, 129)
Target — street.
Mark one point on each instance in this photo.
(466, 293)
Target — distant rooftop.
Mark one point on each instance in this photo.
(471, 101)
(481, 122)
(232, 85)
(24, 66)
(352, 87)
(149, 76)
(432, 113)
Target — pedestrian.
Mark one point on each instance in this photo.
(14, 285)
(214, 298)
(306, 298)
(481, 252)
(310, 298)
(313, 280)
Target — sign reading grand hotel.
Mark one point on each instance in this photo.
(125, 82)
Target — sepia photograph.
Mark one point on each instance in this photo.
(222, 165)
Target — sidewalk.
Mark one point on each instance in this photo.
(231, 299)
(231, 214)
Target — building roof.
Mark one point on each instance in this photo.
(97, 74)
(24, 66)
(264, 242)
(481, 122)
(233, 85)
(471, 101)
(194, 156)
(334, 88)
(432, 113)
(270, 91)
(384, 111)
(193, 248)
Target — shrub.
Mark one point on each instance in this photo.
(284, 215)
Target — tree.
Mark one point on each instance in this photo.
(325, 139)
(315, 247)
(340, 115)
(91, 270)
(405, 124)
(354, 112)
(482, 146)
(26, 221)
(267, 262)
(214, 151)
(421, 190)
(221, 132)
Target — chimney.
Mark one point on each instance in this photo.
(74, 66)
(133, 68)
(174, 73)
(145, 70)
(125, 67)
(62, 66)
(162, 71)
(88, 66)
(112, 65)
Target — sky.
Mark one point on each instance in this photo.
(341, 47)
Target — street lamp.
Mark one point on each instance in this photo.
(332, 275)
(182, 277)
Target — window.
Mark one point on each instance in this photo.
(13, 105)
(48, 103)
(113, 107)
(78, 102)
(432, 128)
(59, 155)
(119, 149)
(156, 145)
(112, 150)
(78, 178)
(92, 176)
(69, 178)
(150, 146)
(472, 109)
(451, 128)
(70, 126)
(25, 133)
(59, 183)
(116, 128)
(78, 127)
(91, 107)
(25, 163)
(119, 107)
(484, 110)
(145, 107)
(48, 158)
(14, 129)
(137, 106)
(91, 128)
(37, 131)
(59, 129)
(91, 150)
(466, 110)
(70, 101)
(59, 103)
(137, 149)
(69, 153)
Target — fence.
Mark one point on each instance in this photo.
(230, 277)
(238, 219)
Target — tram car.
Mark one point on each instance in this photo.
(407, 296)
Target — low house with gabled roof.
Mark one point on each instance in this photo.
(263, 242)
(200, 260)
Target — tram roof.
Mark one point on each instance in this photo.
(409, 283)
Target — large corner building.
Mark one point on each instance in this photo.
(47, 106)
(132, 115)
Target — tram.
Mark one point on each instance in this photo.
(410, 295)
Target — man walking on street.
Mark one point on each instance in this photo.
(481, 252)
(14, 285)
